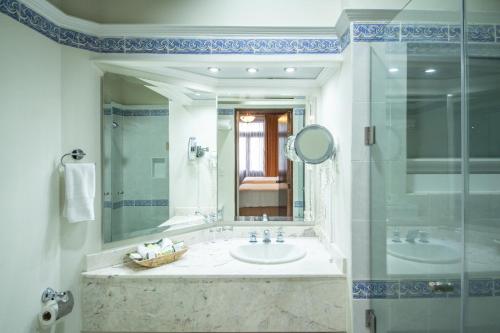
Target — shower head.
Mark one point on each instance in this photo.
(115, 124)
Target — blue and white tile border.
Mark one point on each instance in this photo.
(168, 45)
(358, 32)
(422, 32)
(136, 203)
(135, 110)
(403, 289)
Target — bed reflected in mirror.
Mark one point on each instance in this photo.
(263, 184)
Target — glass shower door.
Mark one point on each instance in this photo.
(416, 174)
(482, 120)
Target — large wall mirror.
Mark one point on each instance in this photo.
(257, 182)
(151, 180)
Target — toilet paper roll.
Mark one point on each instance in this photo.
(48, 316)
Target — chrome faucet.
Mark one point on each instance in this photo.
(280, 236)
(411, 235)
(267, 236)
(253, 237)
(207, 218)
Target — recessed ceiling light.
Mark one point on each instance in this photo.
(252, 70)
(430, 70)
(213, 69)
(290, 69)
(450, 95)
(393, 70)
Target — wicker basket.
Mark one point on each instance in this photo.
(162, 260)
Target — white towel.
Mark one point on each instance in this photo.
(80, 192)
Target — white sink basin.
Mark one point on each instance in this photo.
(271, 253)
(432, 252)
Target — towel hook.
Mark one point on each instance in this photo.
(77, 154)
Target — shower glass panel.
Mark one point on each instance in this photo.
(482, 120)
(416, 172)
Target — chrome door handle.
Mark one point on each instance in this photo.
(444, 287)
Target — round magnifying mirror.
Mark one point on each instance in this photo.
(314, 144)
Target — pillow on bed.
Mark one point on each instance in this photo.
(259, 180)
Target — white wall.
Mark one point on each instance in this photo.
(193, 184)
(335, 112)
(49, 104)
(226, 169)
(30, 142)
(80, 127)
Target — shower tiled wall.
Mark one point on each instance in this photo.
(136, 195)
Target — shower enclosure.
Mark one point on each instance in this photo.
(435, 169)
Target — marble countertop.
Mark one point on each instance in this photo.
(212, 259)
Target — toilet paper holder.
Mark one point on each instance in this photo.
(64, 301)
(50, 294)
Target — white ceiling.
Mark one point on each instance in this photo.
(275, 72)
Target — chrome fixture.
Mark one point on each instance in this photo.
(253, 237)
(423, 237)
(438, 286)
(115, 124)
(265, 218)
(77, 154)
(411, 235)
(50, 294)
(207, 218)
(267, 236)
(396, 236)
(195, 151)
(280, 236)
(65, 302)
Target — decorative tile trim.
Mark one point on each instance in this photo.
(360, 32)
(362, 289)
(376, 32)
(424, 32)
(403, 289)
(120, 44)
(39, 23)
(136, 203)
(134, 112)
(481, 33)
(417, 289)
(225, 112)
(480, 287)
(345, 39)
(10, 8)
(299, 111)
(496, 287)
(113, 45)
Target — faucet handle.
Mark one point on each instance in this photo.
(280, 236)
(423, 236)
(253, 237)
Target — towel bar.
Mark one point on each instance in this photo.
(77, 154)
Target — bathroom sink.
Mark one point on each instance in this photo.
(271, 253)
(432, 252)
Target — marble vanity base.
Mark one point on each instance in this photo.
(170, 304)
